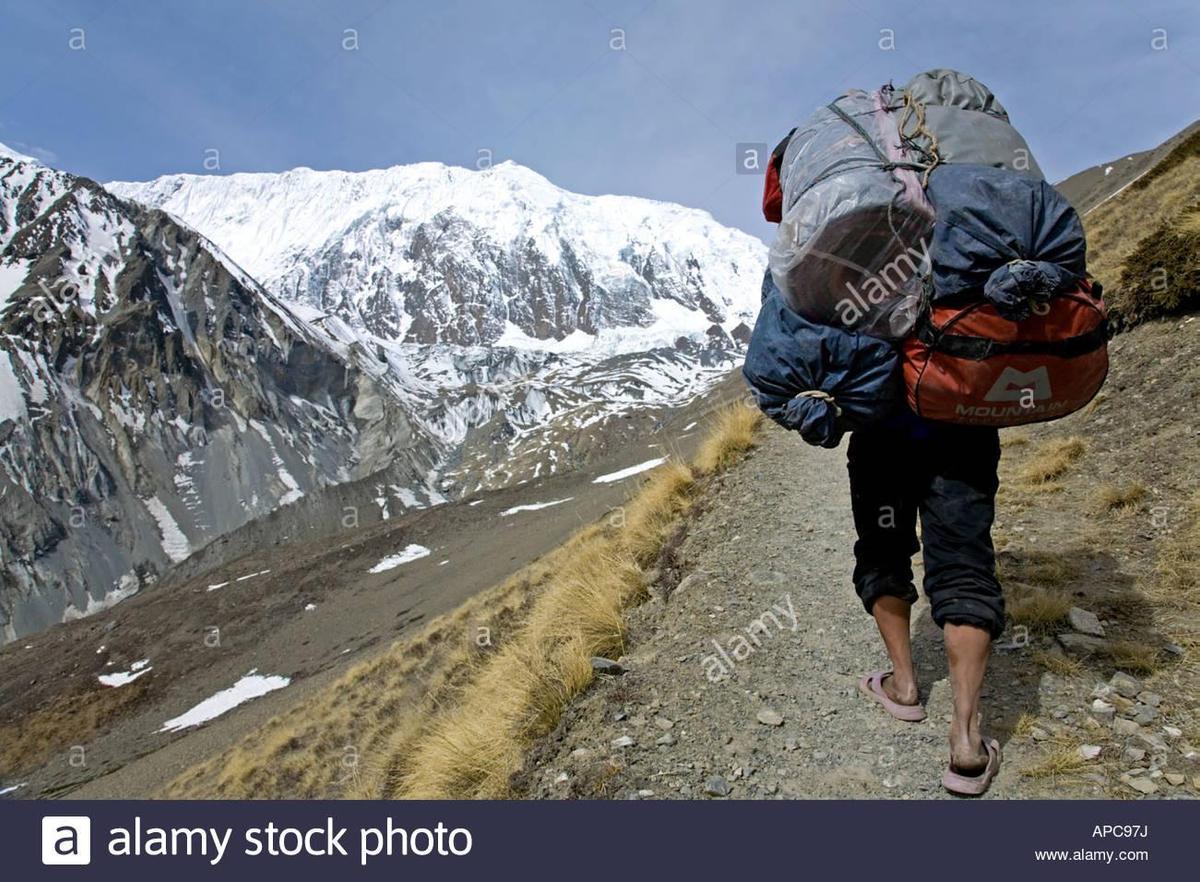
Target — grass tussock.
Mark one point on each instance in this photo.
(732, 434)
(1056, 663)
(1061, 758)
(1141, 243)
(1037, 588)
(444, 715)
(1050, 460)
(69, 719)
(1134, 657)
(1039, 609)
(1116, 498)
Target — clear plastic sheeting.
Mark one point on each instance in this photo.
(851, 250)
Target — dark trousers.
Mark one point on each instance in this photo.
(947, 474)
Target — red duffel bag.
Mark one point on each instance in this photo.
(969, 365)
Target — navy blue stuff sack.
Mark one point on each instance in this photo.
(1011, 238)
(817, 380)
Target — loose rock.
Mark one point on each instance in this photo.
(1125, 684)
(716, 786)
(1125, 727)
(1141, 785)
(1085, 622)
(770, 717)
(607, 666)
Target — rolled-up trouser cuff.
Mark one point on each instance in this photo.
(969, 611)
(871, 587)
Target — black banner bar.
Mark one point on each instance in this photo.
(599, 840)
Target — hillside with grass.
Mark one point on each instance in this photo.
(451, 712)
(1144, 241)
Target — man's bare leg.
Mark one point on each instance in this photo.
(892, 618)
(967, 648)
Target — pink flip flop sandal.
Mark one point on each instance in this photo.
(872, 686)
(975, 785)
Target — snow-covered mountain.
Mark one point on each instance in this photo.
(429, 253)
(153, 397)
(509, 311)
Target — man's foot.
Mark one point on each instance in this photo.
(963, 783)
(873, 686)
(902, 690)
(968, 754)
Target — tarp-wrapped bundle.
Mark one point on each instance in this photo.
(855, 218)
(818, 380)
(958, 118)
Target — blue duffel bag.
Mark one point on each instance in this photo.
(817, 380)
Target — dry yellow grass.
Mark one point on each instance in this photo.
(69, 719)
(1049, 460)
(1115, 228)
(438, 715)
(1137, 658)
(1060, 758)
(1038, 609)
(1112, 497)
(731, 434)
(1013, 438)
(1062, 665)
(474, 746)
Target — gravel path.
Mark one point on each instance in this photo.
(786, 720)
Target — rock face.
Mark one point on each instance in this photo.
(153, 397)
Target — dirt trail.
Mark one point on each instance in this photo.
(775, 535)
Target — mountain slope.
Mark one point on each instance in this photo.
(1092, 186)
(152, 397)
(520, 324)
(1144, 241)
(429, 253)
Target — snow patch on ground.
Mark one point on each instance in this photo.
(534, 506)
(121, 678)
(253, 685)
(631, 471)
(174, 543)
(409, 553)
(12, 397)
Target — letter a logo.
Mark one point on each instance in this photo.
(66, 840)
(1013, 385)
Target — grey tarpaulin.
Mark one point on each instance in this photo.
(970, 125)
(855, 217)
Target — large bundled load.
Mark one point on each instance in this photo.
(919, 215)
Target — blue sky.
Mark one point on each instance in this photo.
(655, 109)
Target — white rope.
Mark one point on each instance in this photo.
(823, 396)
